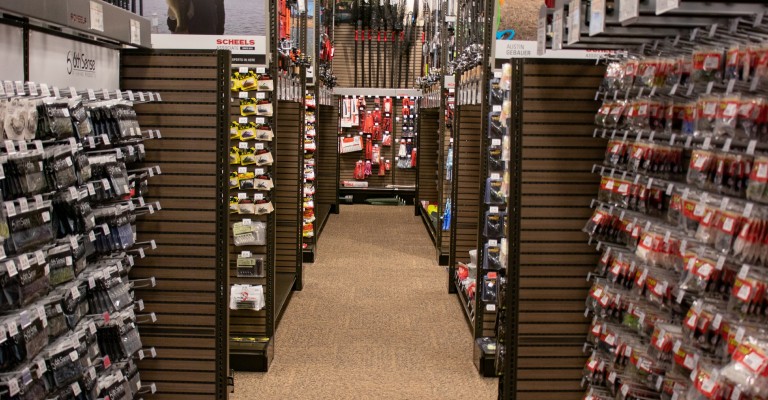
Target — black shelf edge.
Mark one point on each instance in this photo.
(283, 292)
(462, 298)
(308, 254)
(428, 224)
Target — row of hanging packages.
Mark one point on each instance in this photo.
(71, 196)
(679, 296)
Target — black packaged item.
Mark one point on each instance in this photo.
(83, 168)
(490, 289)
(26, 173)
(29, 229)
(75, 304)
(80, 120)
(495, 225)
(54, 120)
(61, 264)
(496, 129)
(60, 167)
(34, 330)
(496, 92)
(250, 265)
(57, 321)
(63, 363)
(494, 194)
(492, 259)
(33, 281)
(495, 160)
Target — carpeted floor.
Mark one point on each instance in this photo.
(374, 321)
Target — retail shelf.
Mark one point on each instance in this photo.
(283, 292)
(647, 25)
(428, 223)
(462, 298)
(91, 17)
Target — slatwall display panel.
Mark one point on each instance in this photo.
(347, 161)
(289, 174)
(327, 186)
(446, 186)
(429, 146)
(344, 60)
(403, 177)
(557, 187)
(246, 322)
(467, 178)
(185, 262)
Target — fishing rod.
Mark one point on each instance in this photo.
(387, 15)
(356, 13)
(371, 26)
(378, 20)
(399, 28)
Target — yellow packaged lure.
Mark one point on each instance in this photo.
(234, 180)
(249, 82)
(234, 131)
(234, 156)
(247, 156)
(247, 131)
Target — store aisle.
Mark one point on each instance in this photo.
(374, 320)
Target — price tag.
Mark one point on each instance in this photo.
(259, 146)
(20, 88)
(8, 88)
(13, 387)
(56, 92)
(490, 307)
(91, 95)
(151, 96)
(243, 120)
(41, 368)
(258, 196)
(135, 32)
(751, 147)
(13, 328)
(261, 95)
(32, 87)
(105, 94)
(707, 142)
(597, 17)
(10, 268)
(493, 210)
(97, 22)
(75, 386)
(131, 97)
(628, 9)
(541, 32)
(141, 96)
(242, 145)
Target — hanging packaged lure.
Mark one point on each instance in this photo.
(495, 225)
(494, 195)
(250, 265)
(258, 107)
(246, 297)
(29, 226)
(54, 120)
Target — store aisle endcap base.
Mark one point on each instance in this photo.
(373, 321)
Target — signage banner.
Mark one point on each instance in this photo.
(239, 26)
(12, 49)
(237, 44)
(62, 62)
(528, 48)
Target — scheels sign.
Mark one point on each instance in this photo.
(78, 62)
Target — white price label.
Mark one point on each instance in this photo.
(597, 17)
(97, 16)
(628, 9)
(135, 32)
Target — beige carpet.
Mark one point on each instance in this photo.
(374, 321)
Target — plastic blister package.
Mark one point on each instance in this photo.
(251, 265)
(249, 234)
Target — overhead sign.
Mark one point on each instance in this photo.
(528, 49)
(237, 44)
(63, 62)
(12, 49)
(238, 26)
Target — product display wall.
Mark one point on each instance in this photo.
(678, 291)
